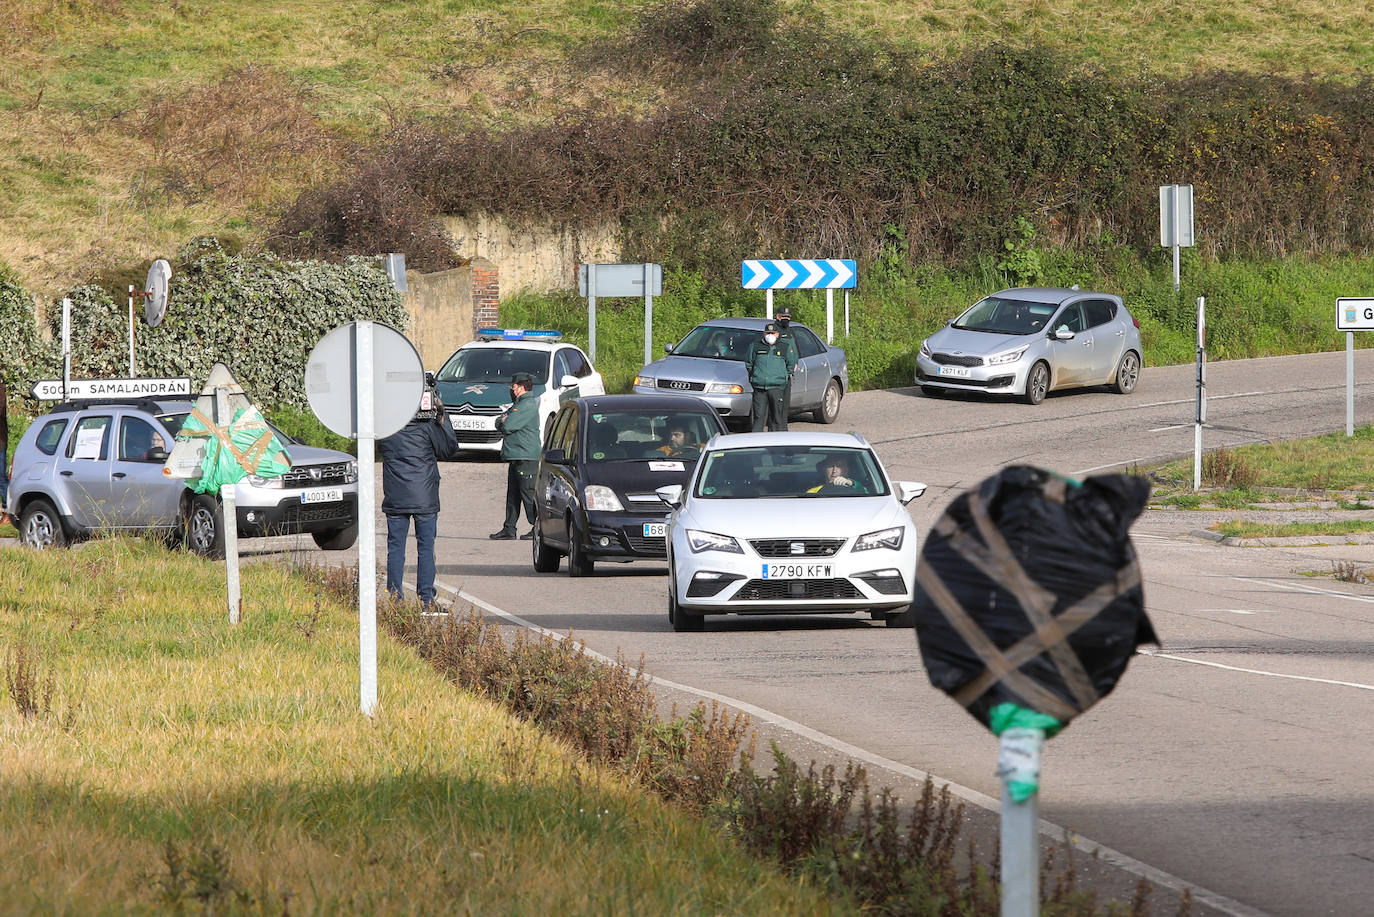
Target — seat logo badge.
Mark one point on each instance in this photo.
(798, 548)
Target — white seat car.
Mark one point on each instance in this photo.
(790, 523)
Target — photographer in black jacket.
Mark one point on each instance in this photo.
(410, 490)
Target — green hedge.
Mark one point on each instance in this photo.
(259, 315)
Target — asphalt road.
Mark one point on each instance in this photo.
(1230, 759)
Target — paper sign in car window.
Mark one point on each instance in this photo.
(666, 466)
(88, 442)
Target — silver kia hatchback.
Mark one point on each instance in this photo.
(1030, 341)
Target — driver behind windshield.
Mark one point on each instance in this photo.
(835, 473)
(677, 441)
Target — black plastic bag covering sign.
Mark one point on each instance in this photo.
(1028, 592)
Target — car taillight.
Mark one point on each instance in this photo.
(1135, 321)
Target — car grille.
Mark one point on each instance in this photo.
(950, 359)
(782, 547)
(490, 410)
(477, 436)
(303, 476)
(323, 513)
(654, 545)
(681, 385)
(776, 590)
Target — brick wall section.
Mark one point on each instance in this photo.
(486, 293)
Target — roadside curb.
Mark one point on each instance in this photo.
(1295, 541)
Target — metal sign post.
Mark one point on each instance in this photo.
(1176, 220)
(1352, 315)
(644, 280)
(66, 345)
(827, 274)
(1201, 411)
(230, 516)
(131, 332)
(364, 380)
(1018, 760)
(367, 533)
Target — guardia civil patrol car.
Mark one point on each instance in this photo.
(474, 383)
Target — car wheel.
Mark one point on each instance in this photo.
(904, 618)
(682, 622)
(336, 539)
(829, 411)
(932, 391)
(1037, 384)
(545, 557)
(204, 526)
(1127, 373)
(40, 526)
(579, 564)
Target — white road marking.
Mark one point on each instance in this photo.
(1160, 404)
(1155, 876)
(1233, 668)
(1308, 590)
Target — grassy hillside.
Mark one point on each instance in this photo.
(134, 125)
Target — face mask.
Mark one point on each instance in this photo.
(784, 322)
(771, 338)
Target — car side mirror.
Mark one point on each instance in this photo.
(556, 457)
(568, 381)
(909, 490)
(670, 494)
(156, 455)
(1062, 333)
(667, 348)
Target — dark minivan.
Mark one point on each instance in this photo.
(605, 457)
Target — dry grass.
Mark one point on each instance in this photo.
(228, 769)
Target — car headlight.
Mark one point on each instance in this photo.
(925, 348)
(601, 498)
(351, 473)
(724, 388)
(259, 481)
(885, 538)
(700, 541)
(646, 381)
(1011, 356)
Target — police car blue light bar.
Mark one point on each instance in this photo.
(517, 334)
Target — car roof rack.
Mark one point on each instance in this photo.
(151, 405)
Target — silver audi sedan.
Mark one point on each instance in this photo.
(1030, 341)
(709, 363)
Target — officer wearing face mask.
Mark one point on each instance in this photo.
(789, 337)
(519, 427)
(770, 363)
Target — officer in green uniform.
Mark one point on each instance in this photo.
(519, 427)
(770, 363)
(789, 337)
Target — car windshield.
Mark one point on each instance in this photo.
(790, 471)
(495, 364)
(1006, 316)
(172, 422)
(636, 436)
(716, 342)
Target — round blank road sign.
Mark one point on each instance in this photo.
(331, 374)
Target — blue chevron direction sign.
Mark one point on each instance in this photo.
(798, 274)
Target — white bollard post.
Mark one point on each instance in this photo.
(229, 518)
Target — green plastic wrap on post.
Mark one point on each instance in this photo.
(248, 446)
(1018, 765)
